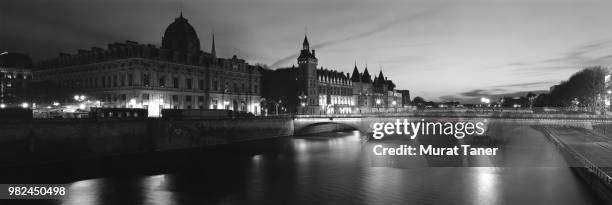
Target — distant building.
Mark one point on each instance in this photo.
(310, 89)
(608, 90)
(405, 97)
(15, 73)
(176, 76)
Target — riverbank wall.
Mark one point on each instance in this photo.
(46, 141)
(595, 176)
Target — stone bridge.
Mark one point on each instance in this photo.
(310, 124)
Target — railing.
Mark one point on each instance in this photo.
(504, 115)
(590, 166)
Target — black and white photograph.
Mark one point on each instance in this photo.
(306, 102)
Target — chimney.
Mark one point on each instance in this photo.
(313, 52)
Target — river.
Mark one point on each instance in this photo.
(331, 168)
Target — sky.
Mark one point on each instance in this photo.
(439, 50)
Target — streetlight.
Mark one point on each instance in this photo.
(394, 107)
(2, 106)
(378, 105)
(80, 98)
(25, 105)
(303, 99)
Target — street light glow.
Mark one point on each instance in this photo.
(25, 105)
(2, 106)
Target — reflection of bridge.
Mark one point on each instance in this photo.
(325, 123)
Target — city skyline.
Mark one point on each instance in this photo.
(475, 48)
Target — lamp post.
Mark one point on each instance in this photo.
(225, 104)
(394, 103)
(303, 99)
(378, 105)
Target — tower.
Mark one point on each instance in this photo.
(307, 74)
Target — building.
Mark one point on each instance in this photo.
(177, 75)
(15, 73)
(405, 97)
(608, 90)
(310, 89)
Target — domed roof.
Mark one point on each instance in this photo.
(180, 36)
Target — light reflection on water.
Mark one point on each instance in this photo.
(339, 168)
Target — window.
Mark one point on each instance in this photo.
(162, 81)
(188, 98)
(114, 81)
(130, 79)
(145, 96)
(243, 88)
(146, 79)
(200, 99)
(256, 90)
(175, 82)
(189, 83)
(201, 84)
(175, 98)
(122, 80)
(215, 85)
(103, 80)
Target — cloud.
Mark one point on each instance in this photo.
(375, 30)
(473, 96)
(524, 85)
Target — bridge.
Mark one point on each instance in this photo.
(306, 124)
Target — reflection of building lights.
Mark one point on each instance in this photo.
(2, 105)
(25, 105)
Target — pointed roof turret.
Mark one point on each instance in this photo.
(365, 78)
(381, 77)
(212, 50)
(355, 77)
(305, 43)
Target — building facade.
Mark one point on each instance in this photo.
(15, 73)
(326, 91)
(178, 75)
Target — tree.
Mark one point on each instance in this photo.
(418, 101)
(585, 86)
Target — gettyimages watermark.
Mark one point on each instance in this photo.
(458, 130)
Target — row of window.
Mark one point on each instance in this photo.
(112, 81)
(335, 90)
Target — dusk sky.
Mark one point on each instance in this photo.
(439, 50)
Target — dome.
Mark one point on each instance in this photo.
(180, 36)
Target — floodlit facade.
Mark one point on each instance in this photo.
(177, 75)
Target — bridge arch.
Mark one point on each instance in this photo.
(321, 125)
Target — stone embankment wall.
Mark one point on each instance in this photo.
(23, 143)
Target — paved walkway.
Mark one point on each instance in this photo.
(589, 149)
